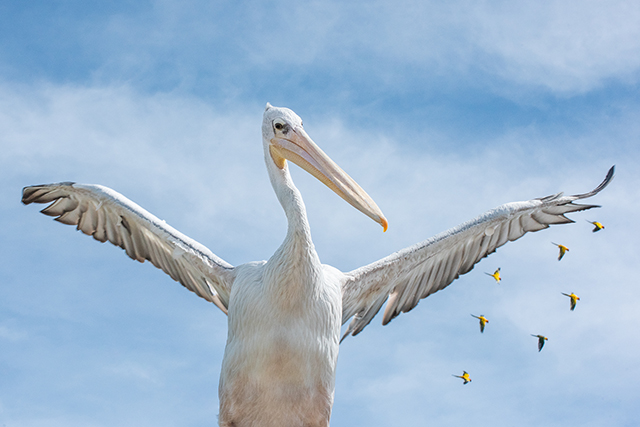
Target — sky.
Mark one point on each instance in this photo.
(439, 111)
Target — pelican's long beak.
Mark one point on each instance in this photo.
(299, 148)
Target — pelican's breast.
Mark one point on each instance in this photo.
(280, 358)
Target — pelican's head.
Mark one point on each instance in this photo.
(286, 139)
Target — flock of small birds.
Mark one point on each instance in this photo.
(541, 338)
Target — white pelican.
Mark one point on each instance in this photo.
(285, 314)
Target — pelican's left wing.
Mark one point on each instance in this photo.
(407, 276)
(107, 215)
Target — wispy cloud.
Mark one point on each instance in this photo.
(225, 50)
(156, 148)
(10, 332)
(439, 111)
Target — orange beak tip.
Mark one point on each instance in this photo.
(384, 223)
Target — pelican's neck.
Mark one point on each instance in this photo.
(293, 269)
(291, 200)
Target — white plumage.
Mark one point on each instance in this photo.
(285, 314)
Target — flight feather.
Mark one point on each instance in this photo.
(109, 216)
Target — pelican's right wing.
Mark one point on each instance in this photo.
(107, 215)
(407, 276)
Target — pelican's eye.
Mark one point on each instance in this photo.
(279, 125)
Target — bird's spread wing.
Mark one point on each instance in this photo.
(407, 276)
(107, 215)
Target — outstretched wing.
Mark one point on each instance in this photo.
(107, 215)
(407, 276)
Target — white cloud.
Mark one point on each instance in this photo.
(565, 47)
(9, 332)
(72, 311)
(562, 48)
(201, 169)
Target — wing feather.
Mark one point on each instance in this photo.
(405, 277)
(108, 216)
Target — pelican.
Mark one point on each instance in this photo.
(285, 314)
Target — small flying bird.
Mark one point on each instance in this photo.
(574, 299)
(563, 250)
(541, 340)
(596, 225)
(465, 377)
(483, 321)
(495, 275)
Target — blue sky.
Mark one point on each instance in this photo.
(440, 112)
